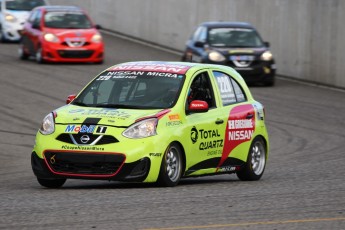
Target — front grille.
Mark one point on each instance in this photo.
(75, 53)
(94, 139)
(80, 45)
(84, 163)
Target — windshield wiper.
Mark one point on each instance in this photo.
(79, 103)
(117, 106)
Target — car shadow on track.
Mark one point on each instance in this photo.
(77, 184)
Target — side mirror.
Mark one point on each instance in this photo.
(199, 44)
(267, 44)
(70, 98)
(198, 106)
(98, 27)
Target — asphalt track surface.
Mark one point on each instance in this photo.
(303, 186)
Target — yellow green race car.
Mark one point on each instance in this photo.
(154, 122)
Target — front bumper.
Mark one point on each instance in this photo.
(93, 52)
(12, 31)
(89, 165)
(258, 74)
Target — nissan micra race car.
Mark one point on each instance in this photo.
(154, 122)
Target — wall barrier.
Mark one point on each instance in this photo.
(307, 36)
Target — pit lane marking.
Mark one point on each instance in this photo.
(252, 223)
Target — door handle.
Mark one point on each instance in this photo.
(249, 115)
(219, 121)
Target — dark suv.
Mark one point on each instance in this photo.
(234, 44)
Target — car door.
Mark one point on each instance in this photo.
(206, 129)
(239, 115)
(33, 30)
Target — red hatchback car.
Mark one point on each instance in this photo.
(61, 34)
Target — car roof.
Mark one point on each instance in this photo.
(60, 8)
(217, 24)
(187, 68)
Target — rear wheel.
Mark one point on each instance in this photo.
(51, 183)
(171, 167)
(256, 161)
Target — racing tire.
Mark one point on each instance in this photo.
(38, 56)
(256, 162)
(51, 183)
(171, 168)
(21, 52)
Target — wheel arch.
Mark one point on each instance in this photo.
(265, 143)
(183, 155)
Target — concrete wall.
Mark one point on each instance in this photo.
(307, 36)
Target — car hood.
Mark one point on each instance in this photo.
(241, 51)
(72, 33)
(71, 114)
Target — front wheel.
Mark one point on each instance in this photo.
(21, 52)
(51, 183)
(171, 167)
(255, 166)
(39, 56)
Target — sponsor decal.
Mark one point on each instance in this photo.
(174, 120)
(85, 129)
(147, 66)
(209, 139)
(173, 123)
(228, 169)
(214, 152)
(194, 135)
(239, 129)
(155, 154)
(88, 148)
(197, 105)
(174, 117)
(110, 113)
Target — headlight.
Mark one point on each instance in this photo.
(266, 56)
(96, 38)
(216, 56)
(49, 37)
(48, 125)
(142, 129)
(10, 17)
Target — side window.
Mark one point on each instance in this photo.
(37, 19)
(200, 34)
(32, 16)
(226, 90)
(201, 89)
(238, 91)
(230, 90)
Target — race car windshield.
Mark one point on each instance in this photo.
(23, 5)
(234, 37)
(132, 90)
(67, 20)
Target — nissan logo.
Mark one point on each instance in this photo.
(84, 139)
